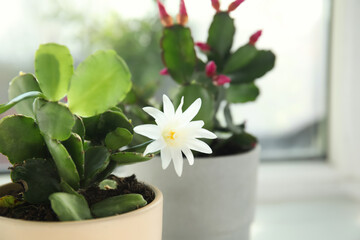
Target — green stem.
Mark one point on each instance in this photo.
(229, 120)
(139, 146)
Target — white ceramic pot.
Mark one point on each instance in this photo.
(142, 224)
(213, 200)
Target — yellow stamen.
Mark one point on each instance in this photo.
(171, 135)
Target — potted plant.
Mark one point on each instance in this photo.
(64, 149)
(215, 199)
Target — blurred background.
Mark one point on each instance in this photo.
(289, 117)
(306, 176)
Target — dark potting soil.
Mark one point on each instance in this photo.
(43, 212)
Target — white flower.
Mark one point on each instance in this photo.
(175, 134)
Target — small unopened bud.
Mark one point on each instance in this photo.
(210, 69)
(182, 17)
(253, 39)
(203, 46)
(216, 5)
(21, 73)
(165, 18)
(234, 5)
(164, 72)
(64, 100)
(219, 80)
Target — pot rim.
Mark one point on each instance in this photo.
(154, 204)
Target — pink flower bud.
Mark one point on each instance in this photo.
(164, 72)
(182, 17)
(203, 46)
(165, 18)
(216, 5)
(253, 39)
(65, 99)
(234, 5)
(219, 80)
(210, 69)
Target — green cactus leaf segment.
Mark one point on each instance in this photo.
(22, 97)
(96, 161)
(190, 94)
(20, 139)
(74, 147)
(53, 69)
(54, 119)
(118, 204)
(118, 138)
(263, 62)
(20, 85)
(99, 83)
(79, 127)
(70, 207)
(63, 161)
(123, 158)
(242, 93)
(41, 179)
(9, 201)
(240, 58)
(99, 126)
(178, 53)
(220, 38)
(108, 184)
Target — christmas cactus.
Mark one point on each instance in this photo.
(226, 76)
(70, 134)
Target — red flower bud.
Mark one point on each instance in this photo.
(203, 46)
(216, 5)
(234, 5)
(182, 17)
(210, 69)
(253, 39)
(219, 80)
(164, 72)
(165, 18)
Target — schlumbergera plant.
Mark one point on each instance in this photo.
(227, 76)
(59, 145)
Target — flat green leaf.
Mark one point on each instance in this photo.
(40, 177)
(108, 184)
(106, 172)
(53, 69)
(54, 119)
(129, 157)
(240, 58)
(118, 204)
(99, 83)
(220, 38)
(74, 147)
(64, 163)
(263, 62)
(20, 139)
(191, 93)
(70, 207)
(118, 138)
(242, 93)
(22, 84)
(23, 97)
(10, 201)
(178, 53)
(237, 143)
(79, 127)
(96, 161)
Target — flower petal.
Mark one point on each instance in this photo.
(151, 131)
(188, 154)
(203, 133)
(165, 157)
(179, 109)
(195, 124)
(200, 146)
(191, 112)
(154, 146)
(178, 160)
(169, 110)
(158, 115)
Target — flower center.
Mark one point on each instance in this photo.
(171, 135)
